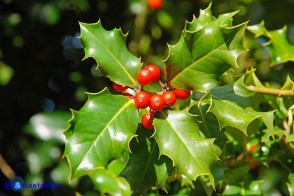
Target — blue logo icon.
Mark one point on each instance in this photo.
(17, 183)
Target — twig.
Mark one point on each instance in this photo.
(272, 91)
(6, 169)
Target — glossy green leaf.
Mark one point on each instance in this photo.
(205, 51)
(280, 48)
(100, 132)
(204, 18)
(178, 137)
(209, 125)
(48, 125)
(109, 50)
(241, 89)
(109, 184)
(289, 84)
(230, 114)
(145, 169)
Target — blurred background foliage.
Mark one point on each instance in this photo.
(42, 75)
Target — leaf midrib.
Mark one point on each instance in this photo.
(200, 59)
(104, 129)
(104, 46)
(186, 147)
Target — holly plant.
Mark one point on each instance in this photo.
(183, 128)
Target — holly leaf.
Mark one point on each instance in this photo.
(209, 125)
(144, 161)
(230, 114)
(109, 184)
(109, 50)
(280, 48)
(99, 132)
(207, 48)
(178, 137)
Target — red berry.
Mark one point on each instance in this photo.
(169, 98)
(157, 102)
(119, 87)
(147, 120)
(144, 77)
(182, 94)
(128, 95)
(142, 99)
(155, 4)
(253, 162)
(155, 71)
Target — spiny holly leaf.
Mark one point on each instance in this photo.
(208, 125)
(278, 45)
(204, 18)
(205, 51)
(100, 132)
(109, 184)
(109, 50)
(145, 169)
(288, 85)
(178, 137)
(230, 114)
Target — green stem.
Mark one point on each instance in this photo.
(271, 91)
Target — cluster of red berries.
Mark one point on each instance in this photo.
(155, 4)
(155, 102)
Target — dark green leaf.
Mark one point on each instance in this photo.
(100, 132)
(145, 169)
(178, 137)
(109, 50)
(206, 50)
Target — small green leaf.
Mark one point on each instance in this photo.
(178, 137)
(109, 50)
(100, 132)
(109, 184)
(207, 48)
(144, 161)
(280, 48)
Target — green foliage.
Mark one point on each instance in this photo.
(109, 50)
(100, 132)
(207, 48)
(213, 141)
(280, 48)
